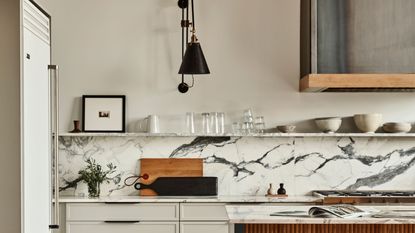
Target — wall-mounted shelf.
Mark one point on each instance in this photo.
(267, 135)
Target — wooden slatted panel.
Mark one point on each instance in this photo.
(330, 228)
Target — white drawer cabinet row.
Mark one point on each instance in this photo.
(146, 218)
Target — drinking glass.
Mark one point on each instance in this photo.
(206, 123)
(247, 127)
(236, 128)
(248, 116)
(214, 123)
(221, 120)
(260, 124)
(190, 122)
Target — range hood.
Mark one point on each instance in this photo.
(357, 46)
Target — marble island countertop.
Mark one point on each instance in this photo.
(261, 214)
(195, 199)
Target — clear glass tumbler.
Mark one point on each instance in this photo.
(221, 120)
(190, 122)
(206, 123)
(236, 128)
(214, 122)
(260, 124)
(247, 127)
(248, 116)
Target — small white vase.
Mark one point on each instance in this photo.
(271, 190)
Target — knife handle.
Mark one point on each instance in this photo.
(140, 186)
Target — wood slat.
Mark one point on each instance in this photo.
(329, 228)
(321, 82)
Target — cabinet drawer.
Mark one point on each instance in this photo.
(126, 212)
(204, 227)
(102, 227)
(209, 212)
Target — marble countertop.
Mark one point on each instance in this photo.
(195, 199)
(260, 214)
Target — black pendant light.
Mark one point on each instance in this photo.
(193, 60)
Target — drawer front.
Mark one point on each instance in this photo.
(202, 212)
(102, 227)
(122, 212)
(204, 227)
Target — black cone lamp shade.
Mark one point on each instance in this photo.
(194, 61)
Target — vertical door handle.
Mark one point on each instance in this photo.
(54, 100)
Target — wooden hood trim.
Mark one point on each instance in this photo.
(322, 82)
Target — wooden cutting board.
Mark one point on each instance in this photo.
(182, 186)
(156, 168)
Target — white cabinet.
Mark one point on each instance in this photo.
(146, 218)
(122, 218)
(203, 211)
(122, 227)
(203, 218)
(204, 227)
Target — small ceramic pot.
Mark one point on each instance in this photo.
(328, 125)
(397, 127)
(368, 123)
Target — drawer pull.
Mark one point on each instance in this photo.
(115, 221)
(119, 203)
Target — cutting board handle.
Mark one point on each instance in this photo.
(140, 186)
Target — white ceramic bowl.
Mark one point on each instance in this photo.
(397, 127)
(328, 125)
(286, 128)
(368, 123)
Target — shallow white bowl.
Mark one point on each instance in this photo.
(286, 128)
(328, 125)
(368, 123)
(397, 127)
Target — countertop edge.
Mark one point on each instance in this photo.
(190, 199)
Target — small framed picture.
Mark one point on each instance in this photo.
(103, 113)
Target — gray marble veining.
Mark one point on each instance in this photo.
(246, 165)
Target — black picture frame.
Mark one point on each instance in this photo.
(87, 129)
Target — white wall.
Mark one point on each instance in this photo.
(10, 116)
(132, 47)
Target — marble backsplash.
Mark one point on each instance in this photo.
(246, 165)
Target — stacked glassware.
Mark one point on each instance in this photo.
(250, 125)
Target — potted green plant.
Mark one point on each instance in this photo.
(94, 176)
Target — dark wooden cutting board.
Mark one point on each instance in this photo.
(182, 186)
(156, 168)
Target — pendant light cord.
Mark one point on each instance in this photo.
(193, 17)
(185, 11)
(183, 41)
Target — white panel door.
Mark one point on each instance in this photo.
(36, 132)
